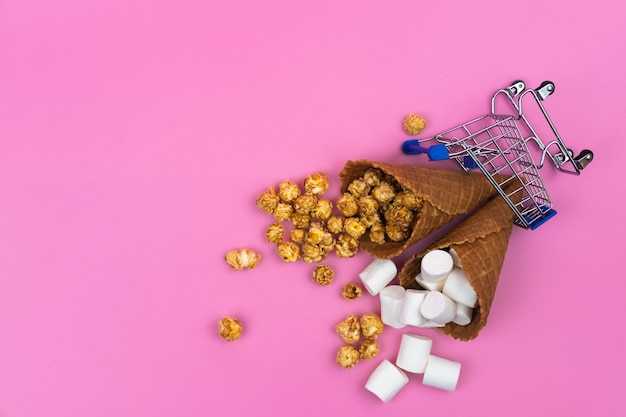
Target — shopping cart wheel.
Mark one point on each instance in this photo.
(517, 87)
(545, 90)
(413, 147)
(583, 158)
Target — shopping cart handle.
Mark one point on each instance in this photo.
(435, 152)
(413, 147)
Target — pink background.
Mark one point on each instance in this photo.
(135, 136)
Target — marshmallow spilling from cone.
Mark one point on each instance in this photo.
(414, 357)
(447, 294)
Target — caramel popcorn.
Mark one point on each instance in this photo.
(328, 242)
(323, 209)
(240, 259)
(351, 291)
(346, 246)
(354, 227)
(275, 233)
(347, 356)
(316, 183)
(230, 329)
(305, 203)
(334, 224)
(370, 220)
(288, 251)
(312, 253)
(399, 215)
(372, 177)
(268, 200)
(348, 205)
(300, 220)
(283, 212)
(368, 206)
(288, 191)
(414, 124)
(396, 232)
(409, 200)
(349, 329)
(377, 233)
(384, 192)
(369, 349)
(323, 274)
(371, 325)
(315, 234)
(298, 235)
(358, 187)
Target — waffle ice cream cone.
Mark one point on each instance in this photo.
(446, 193)
(481, 242)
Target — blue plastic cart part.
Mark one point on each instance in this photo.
(538, 222)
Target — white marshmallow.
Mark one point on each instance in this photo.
(431, 286)
(458, 287)
(436, 265)
(378, 274)
(386, 381)
(463, 315)
(455, 258)
(410, 312)
(441, 373)
(431, 323)
(413, 353)
(391, 299)
(438, 307)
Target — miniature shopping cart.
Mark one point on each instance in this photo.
(495, 144)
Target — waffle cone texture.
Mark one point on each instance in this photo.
(481, 242)
(446, 193)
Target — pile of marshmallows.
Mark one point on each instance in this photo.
(448, 297)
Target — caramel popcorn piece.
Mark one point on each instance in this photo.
(384, 192)
(351, 291)
(323, 209)
(354, 227)
(240, 259)
(414, 124)
(305, 203)
(323, 274)
(267, 201)
(369, 349)
(371, 325)
(328, 242)
(346, 246)
(288, 191)
(358, 187)
(347, 356)
(399, 215)
(368, 206)
(283, 212)
(288, 251)
(315, 233)
(275, 233)
(348, 205)
(372, 177)
(377, 233)
(300, 220)
(410, 200)
(349, 329)
(312, 253)
(298, 235)
(316, 183)
(230, 329)
(396, 232)
(334, 224)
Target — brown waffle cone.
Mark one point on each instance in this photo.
(481, 241)
(447, 193)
